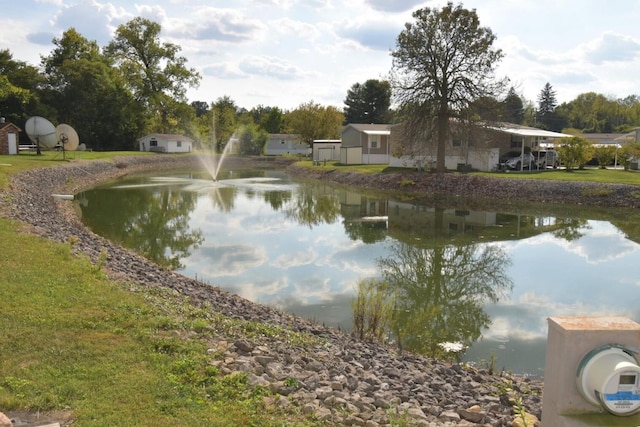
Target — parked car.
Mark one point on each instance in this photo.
(545, 158)
(516, 160)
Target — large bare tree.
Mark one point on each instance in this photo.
(442, 62)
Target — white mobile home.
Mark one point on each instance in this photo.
(280, 144)
(166, 143)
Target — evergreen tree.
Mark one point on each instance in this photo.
(547, 103)
(513, 108)
(368, 102)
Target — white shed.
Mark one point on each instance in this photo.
(166, 143)
(326, 149)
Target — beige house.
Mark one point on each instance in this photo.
(365, 144)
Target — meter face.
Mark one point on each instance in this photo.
(622, 396)
(627, 380)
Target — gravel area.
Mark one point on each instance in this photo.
(344, 381)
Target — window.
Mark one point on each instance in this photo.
(153, 142)
(516, 141)
(373, 141)
(457, 142)
(282, 142)
(179, 143)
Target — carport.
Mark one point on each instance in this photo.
(531, 137)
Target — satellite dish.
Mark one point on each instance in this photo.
(41, 131)
(67, 137)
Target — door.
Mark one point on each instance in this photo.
(13, 143)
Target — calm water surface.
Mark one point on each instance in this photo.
(488, 279)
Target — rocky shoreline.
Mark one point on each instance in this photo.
(344, 382)
(469, 189)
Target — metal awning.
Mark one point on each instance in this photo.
(377, 132)
(532, 132)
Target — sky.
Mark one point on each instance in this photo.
(284, 53)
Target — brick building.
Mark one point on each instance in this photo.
(9, 137)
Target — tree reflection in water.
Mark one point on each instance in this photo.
(438, 293)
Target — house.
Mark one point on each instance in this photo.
(326, 149)
(475, 146)
(280, 144)
(365, 144)
(8, 137)
(166, 143)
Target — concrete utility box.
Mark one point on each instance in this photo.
(569, 340)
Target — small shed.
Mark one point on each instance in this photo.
(365, 143)
(166, 143)
(326, 149)
(9, 137)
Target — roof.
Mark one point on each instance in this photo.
(368, 128)
(284, 136)
(601, 137)
(527, 131)
(171, 136)
(6, 124)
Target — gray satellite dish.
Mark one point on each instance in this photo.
(67, 137)
(41, 132)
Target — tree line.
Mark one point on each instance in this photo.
(135, 85)
(442, 68)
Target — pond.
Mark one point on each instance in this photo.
(483, 278)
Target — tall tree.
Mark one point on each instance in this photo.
(546, 115)
(271, 119)
(225, 113)
(442, 62)
(89, 94)
(155, 73)
(200, 107)
(594, 113)
(252, 139)
(513, 108)
(19, 89)
(313, 121)
(368, 102)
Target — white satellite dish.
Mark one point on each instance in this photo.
(41, 132)
(67, 137)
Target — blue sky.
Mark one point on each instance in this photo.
(287, 52)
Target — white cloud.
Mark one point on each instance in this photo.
(269, 66)
(91, 19)
(612, 47)
(224, 71)
(223, 25)
(286, 52)
(394, 6)
(375, 35)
